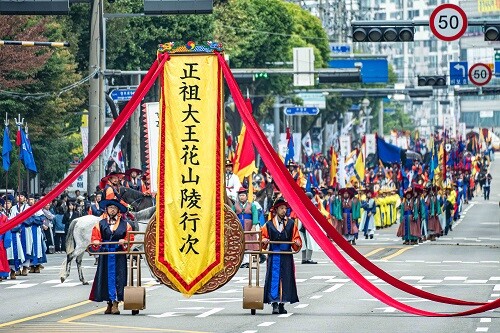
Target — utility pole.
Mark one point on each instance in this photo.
(135, 144)
(381, 118)
(276, 138)
(93, 174)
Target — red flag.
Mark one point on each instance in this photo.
(244, 159)
(18, 136)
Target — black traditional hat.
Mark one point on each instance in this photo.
(129, 171)
(229, 162)
(291, 163)
(279, 202)
(243, 190)
(350, 190)
(103, 204)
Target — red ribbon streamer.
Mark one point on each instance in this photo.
(141, 91)
(298, 199)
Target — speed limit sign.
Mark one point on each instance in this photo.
(480, 74)
(448, 22)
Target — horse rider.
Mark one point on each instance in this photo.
(133, 180)
(112, 188)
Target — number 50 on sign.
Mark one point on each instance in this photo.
(448, 22)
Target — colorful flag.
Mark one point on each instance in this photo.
(307, 143)
(26, 153)
(244, 160)
(333, 167)
(359, 166)
(6, 149)
(117, 156)
(290, 150)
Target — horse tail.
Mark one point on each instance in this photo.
(70, 238)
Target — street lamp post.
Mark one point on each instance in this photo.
(365, 103)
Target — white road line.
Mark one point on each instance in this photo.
(285, 315)
(416, 278)
(56, 281)
(430, 281)
(482, 329)
(266, 323)
(301, 306)
(455, 278)
(22, 286)
(332, 289)
(300, 280)
(476, 281)
(209, 312)
(370, 277)
(321, 277)
(14, 282)
(338, 280)
(495, 278)
(495, 295)
(66, 285)
(316, 296)
(255, 331)
(496, 287)
(485, 320)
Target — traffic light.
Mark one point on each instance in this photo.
(491, 32)
(262, 75)
(434, 80)
(382, 33)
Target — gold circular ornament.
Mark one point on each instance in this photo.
(233, 253)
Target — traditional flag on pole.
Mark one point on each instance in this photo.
(333, 167)
(6, 149)
(307, 143)
(117, 156)
(359, 166)
(244, 160)
(26, 153)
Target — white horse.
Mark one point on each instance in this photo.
(80, 233)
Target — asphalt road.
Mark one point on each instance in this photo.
(464, 265)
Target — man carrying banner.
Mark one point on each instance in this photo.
(233, 183)
(280, 285)
(249, 217)
(111, 275)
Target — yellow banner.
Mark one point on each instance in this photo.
(488, 6)
(189, 214)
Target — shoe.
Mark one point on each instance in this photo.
(12, 275)
(32, 269)
(275, 308)
(36, 269)
(245, 265)
(281, 308)
(312, 262)
(371, 236)
(304, 262)
(114, 308)
(24, 272)
(41, 266)
(108, 309)
(353, 242)
(18, 273)
(366, 236)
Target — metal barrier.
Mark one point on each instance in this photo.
(253, 295)
(134, 296)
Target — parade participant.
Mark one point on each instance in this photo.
(336, 211)
(417, 209)
(94, 205)
(133, 181)
(350, 214)
(448, 210)
(38, 256)
(111, 275)
(5, 243)
(367, 220)
(423, 214)
(408, 228)
(15, 253)
(299, 179)
(434, 212)
(25, 232)
(486, 185)
(112, 188)
(249, 217)
(233, 183)
(309, 245)
(280, 285)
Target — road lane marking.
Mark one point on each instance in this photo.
(395, 254)
(40, 315)
(316, 297)
(285, 315)
(134, 328)
(301, 306)
(266, 323)
(415, 278)
(80, 316)
(485, 320)
(209, 312)
(482, 329)
(374, 252)
(332, 289)
(22, 286)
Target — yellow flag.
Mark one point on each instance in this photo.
(359, 166)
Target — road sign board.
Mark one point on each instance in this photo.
(340, 48)
(301, 111)
(459, 73)
(480, 74)
(313, 99)
(497, 67)
(448, 22)
(118, 95)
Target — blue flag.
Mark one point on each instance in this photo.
(290, 150)
(26, 153)
(388, 153)
(6, 149)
